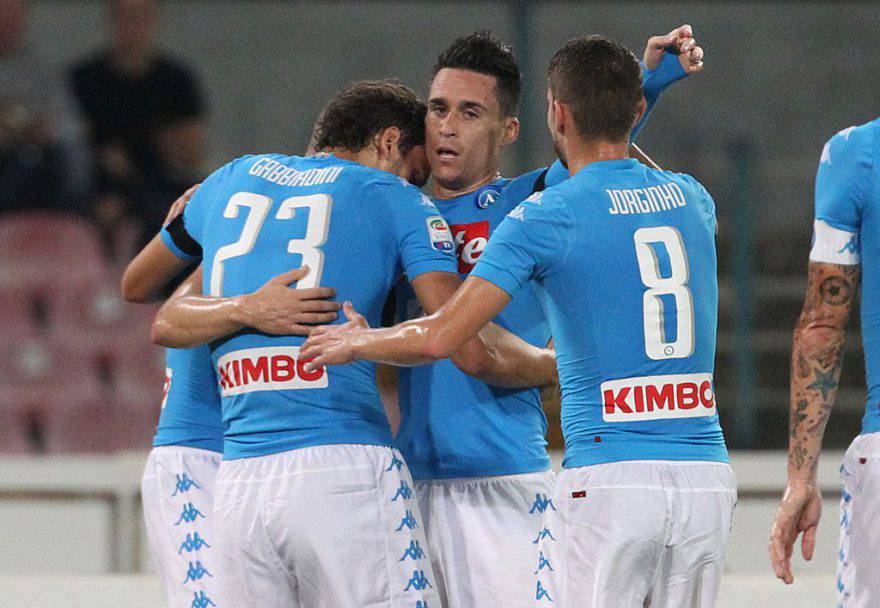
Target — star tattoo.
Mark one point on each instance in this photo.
(824, 382)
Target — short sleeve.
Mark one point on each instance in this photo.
(421, 235)
(183, 235)
(842, 180)
(528, 244)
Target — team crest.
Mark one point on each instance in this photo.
(487, 196)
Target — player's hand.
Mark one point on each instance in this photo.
(276, 308)
(680, 40)
(334, 344)
(799, 511)
(179, 205)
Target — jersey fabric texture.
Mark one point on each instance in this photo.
(454, 425)
(624, 258)
(191, 408)
(847, 231)
(357, 229)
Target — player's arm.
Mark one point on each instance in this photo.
(189, 318)
(493, 355)
(845, 175)
(155, 266)
(441, 335)
(816, 359)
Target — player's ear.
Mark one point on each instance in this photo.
(640, 112)
(388, 142)
(561, 116)
(511, 130)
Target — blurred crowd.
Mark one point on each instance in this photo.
(113, 137)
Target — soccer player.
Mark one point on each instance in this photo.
(177, 488)
(846, 247)
(313, 506)
(477, 452)
(623, 257)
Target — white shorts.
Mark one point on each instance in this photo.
(858, 570)
(332, 526)
(178, 498)
(635, 535)
(482, 534)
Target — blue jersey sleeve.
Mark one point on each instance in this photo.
(842, 183)
(421, 235)
(531, 240)
(183, 235)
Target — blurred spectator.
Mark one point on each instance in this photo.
(38, 136)
(144, 110)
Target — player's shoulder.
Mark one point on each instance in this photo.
(843, 146)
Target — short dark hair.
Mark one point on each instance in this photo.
(363, 109)
(600, 81)
(482, 53)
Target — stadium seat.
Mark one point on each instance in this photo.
(44, 247)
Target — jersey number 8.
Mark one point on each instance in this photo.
(675, 285)
(319, 206)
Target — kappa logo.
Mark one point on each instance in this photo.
(470, 241)
(273, 368)
(404, 492)
(487, 197)
(418, 581)
(408, 521)
(184, 484)
(189, 514)
(414, 551)
(200, 600)
(658, 397)
(542, 503)
(193, 542)
(518, 213)
(544, 533)
(543, 562)
(852, 246)
(196, 572)
(542, 594)
(438, 231)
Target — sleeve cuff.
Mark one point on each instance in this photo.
(499, 277)
(834, 244)
(173, 248)
(423, 266)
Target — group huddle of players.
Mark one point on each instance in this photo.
(281, 475)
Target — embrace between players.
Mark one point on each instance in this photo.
(315, 502)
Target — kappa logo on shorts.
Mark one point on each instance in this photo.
(193, 542)
(418, 581)
(196, 572)
(272, 368)
(414, 551)
(200, 600)
(408, 521)
(189, 514)
(421, 604)
(541, 593)
(541, 503)
(658, 398)
(396, 463)
(543, 562)
(404, 492)
(544, 533)
(184, 484)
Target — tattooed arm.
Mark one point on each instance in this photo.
(816, 358)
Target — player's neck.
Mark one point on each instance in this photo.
(583, 153)
(443, 193)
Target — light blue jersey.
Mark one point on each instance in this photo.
(357, 229)
(847, 231)
(624, 259)
(191, 408)
(454, 425)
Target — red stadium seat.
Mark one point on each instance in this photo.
(42, 247)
